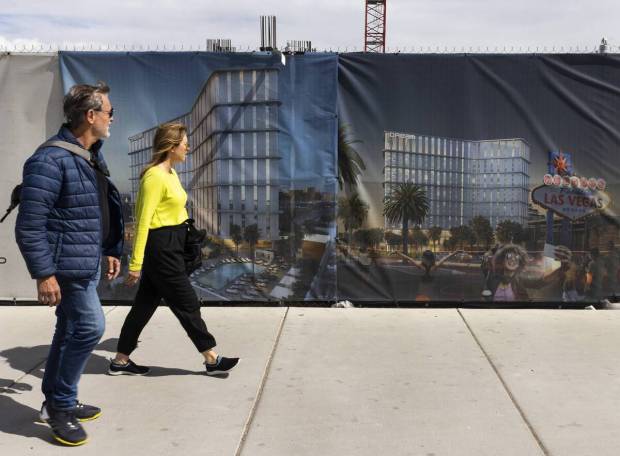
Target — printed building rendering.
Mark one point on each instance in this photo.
(231, 173)
(234, 128)
(462, 178)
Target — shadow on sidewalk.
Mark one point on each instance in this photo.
(31, 360)
(99, 364)
(16, 418)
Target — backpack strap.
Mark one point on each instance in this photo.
(73, 148)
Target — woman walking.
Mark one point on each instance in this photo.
(157, 257)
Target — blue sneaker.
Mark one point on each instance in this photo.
(65, 427)
(83, 412)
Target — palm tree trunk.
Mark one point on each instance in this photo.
(405, 236)
(253, 259)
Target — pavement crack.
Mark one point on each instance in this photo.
(261, 386)
(505, 386)
(108, 312)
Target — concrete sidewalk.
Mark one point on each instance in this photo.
(335, 382)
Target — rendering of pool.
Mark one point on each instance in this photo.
(224, 274)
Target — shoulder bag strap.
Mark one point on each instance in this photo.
(73, 148)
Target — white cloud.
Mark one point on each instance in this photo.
(327, 23)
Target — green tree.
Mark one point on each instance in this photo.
(406, 203)
(393, 239)
(251, 234)
(236, 236)
(353, 211)
(369, 238)
(470, 237)
(483, 231)
(350, 163)
(418, 238)
(449, 243)
(509, 231)
(362, 238)
(434, 234)
(216, 251)
(461, 235)
(375, 236)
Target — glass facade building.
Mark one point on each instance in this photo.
(232, 172)
(462, 178)
(236, 152)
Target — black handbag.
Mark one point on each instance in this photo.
(194, 240)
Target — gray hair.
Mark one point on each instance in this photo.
(80, 99)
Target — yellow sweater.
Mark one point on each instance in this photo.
(161, 202)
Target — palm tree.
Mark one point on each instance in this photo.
(236, 236)
(418, 238)
(407, 203)
(350, 164)
(353, 211)
(434, 233)
(251, 234)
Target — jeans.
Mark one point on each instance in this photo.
(80, 324)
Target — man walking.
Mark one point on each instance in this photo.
(70, 213)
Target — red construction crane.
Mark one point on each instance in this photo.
(374, 38)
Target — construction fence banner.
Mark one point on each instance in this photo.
(368, 177)
(261, 175)
(487, 178)
(30, 112)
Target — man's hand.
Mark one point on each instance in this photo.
(114, 268)
(48, 291)
(132, 278)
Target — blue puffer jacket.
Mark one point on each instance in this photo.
(58, 227)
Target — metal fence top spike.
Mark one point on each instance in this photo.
(51, 47)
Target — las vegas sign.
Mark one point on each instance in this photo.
(572, 197)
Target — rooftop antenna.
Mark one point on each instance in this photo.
(219, 45)
(298, 47)
(268, 33)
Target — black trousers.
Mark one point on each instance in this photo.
(163, 276)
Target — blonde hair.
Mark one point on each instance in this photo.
(167, 137)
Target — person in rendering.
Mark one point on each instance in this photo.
(157, 258)
(598, 271)
(507, 280)
(429, 263)
(577, 280)
(70, 213)
(612, 264)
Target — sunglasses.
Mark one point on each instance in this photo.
(110, 113)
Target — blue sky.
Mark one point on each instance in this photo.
(329, 24)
